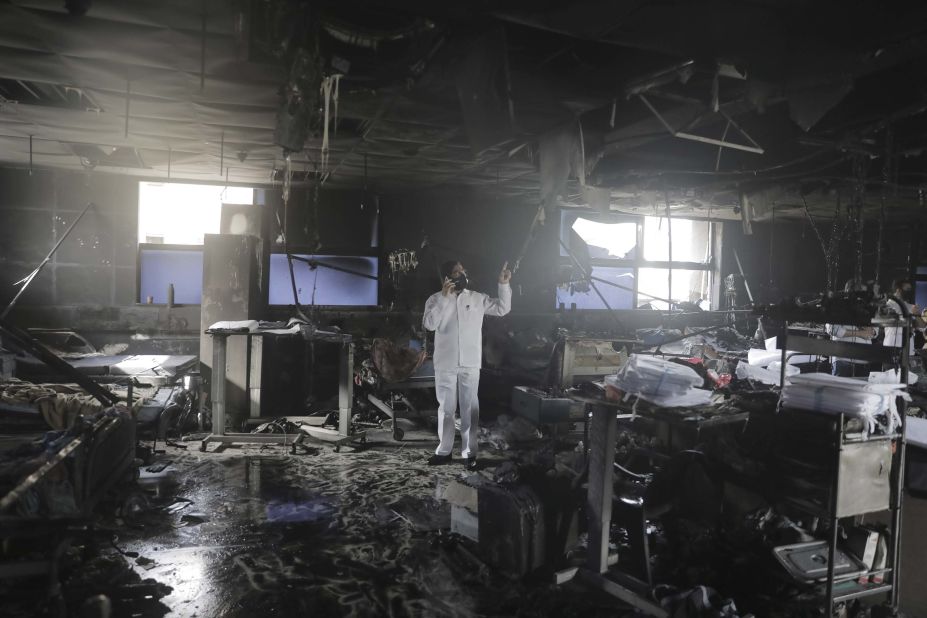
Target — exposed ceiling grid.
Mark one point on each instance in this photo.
(808, 104)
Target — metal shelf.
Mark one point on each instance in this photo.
(843, 466)
(863, 592)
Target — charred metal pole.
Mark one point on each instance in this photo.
(203, 50)
(860, 228)
(538, 216)
(878, 260)
(128, 99)
(886, 176)
(772, 248)
(668, 301)
(746, 283)
(313, 264)
(29, 278)
(588, 276)
(669, 247)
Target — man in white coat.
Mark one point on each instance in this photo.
(893, 334)
(455, 314)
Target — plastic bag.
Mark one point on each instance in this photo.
(746, 371)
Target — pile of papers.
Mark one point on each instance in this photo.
(762, 358)
(872, 401)
(660, 382)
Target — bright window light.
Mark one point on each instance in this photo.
(691, 240)
(182, 214)
(615, 240)
(688, 286)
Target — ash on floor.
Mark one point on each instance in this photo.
(260, 532)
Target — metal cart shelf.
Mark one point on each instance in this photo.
(345, 399)
(858, 483)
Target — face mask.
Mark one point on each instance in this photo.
(460, 282)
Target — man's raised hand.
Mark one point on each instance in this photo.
(506, 275)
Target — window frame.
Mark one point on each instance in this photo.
(638, 262)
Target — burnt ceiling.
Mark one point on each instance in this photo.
(715, 108)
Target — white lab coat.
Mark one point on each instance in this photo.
(457, 321)
(893, 334)
(838, 332)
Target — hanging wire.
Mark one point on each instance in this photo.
(286, 179)
(880, 237)
(836, 234)
(772, 248)
(669, 248)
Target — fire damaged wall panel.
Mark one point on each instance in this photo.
(95, 267)
(83, 285)
(26, 236)
(91, 242)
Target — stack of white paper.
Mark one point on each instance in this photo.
(661, 382)
(746, 371)
(823, 392)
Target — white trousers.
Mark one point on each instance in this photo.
(452, 387)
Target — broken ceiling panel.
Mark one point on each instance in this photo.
(484, 88)
(418, 127)
(809, 102)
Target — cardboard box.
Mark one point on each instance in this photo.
(465, 522)
(458, 494)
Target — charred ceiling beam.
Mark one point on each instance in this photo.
(845, 145)
(722, 143)
(651, 128)
(479, 165)
(573, 22)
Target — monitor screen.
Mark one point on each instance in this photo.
(159, 267)
(332, 280)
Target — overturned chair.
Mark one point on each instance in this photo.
(400, 368)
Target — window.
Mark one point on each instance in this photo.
(173, 219)
(583, 296)
(634, 261)
(920, 287)
(328, 281)
(182, 214)
(690, 240)
(160, 266)
(606, 240)
(692, 286)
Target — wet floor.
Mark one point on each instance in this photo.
(252, 531)
(262, 532)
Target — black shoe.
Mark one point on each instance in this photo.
(439, 460)
(471, 464)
